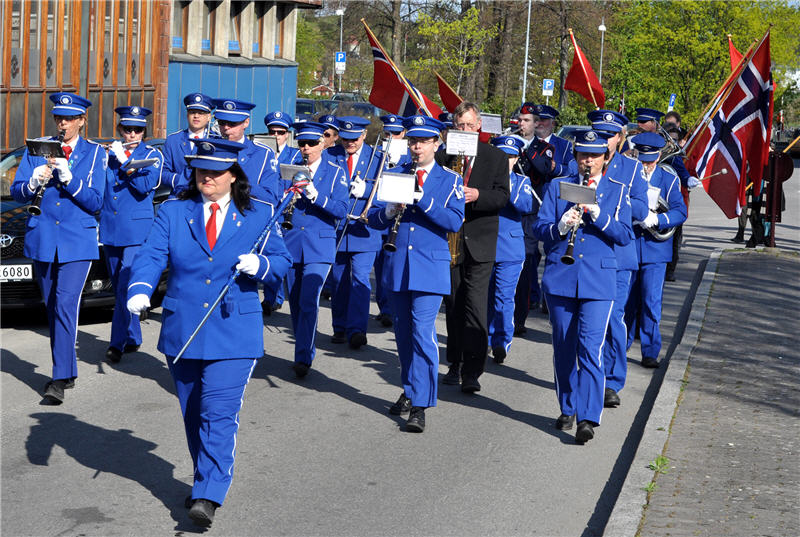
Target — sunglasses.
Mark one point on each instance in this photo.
(128, 128)
(224, 123)
(310, 143)
(278, 133)
(327, 134)
(65, 118)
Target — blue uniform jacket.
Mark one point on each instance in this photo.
(176, 172)
(261, 168)
(289, 155)
(562, 156)
(510, 237)
(67, 223)
(127, 212)
(594, 273)
(313, 237)
(648, 249)
(422, 259)
(197, 275)
(360, 236)
(629, 172)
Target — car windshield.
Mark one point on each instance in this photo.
(305, 107)
(8, 169)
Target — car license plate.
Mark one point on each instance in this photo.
(12, 273)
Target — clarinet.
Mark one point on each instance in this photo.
(35, 208)
(567, 258)
(287, 216)
(390, 245)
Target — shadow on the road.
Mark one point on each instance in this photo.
(507, 371)
(23, 371)
(116, 452)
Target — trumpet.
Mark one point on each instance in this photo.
(390, 245)
(298, 177)
(35, 208)
(107, 145)
(363, 216)
(568, 258)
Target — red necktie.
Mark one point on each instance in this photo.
(67, 150)
(350, 165)
(211, 226)
(468, 165)
(127, 153)
(420, 178)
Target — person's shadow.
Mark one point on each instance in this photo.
(116, 452)
(23, 371)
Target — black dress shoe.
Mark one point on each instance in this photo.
(416, 420)
(357, 340)
(130, 348)
(585, 432)
(69, 383)
(650, 363)
(453, 376)
(611, 399)
(499, 354)
(338, 337)
(385, 319)
(54, 391)
(402, 406)
(520, 330)
(113, 355)
(564, 422)
(266, 308)
(202, 512)
(470, 384)
(739, 238)
(301, 369)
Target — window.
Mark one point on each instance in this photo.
(209, 20)
(234, 37)
(260, 8)
(180, 19)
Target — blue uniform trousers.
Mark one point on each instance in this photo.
(350, 303)
(615, 356)
(579, 330)
(125, 329)
(417, 346)
(211, 394)
(381, 292)
(643, 311)
(274, 295)
(502, 287)
(61, 285)
(305, 286)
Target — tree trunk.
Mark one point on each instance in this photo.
(397, 30)
(563, 54)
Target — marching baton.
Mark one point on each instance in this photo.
(287, 197)
(788, 147)
(723, 171)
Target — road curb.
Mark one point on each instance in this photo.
(627, 513)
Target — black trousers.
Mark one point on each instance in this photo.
(466, 309)
(676, 246)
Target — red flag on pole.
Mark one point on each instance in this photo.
(736, 56)
(449, 97)
(731, 142)
(391, 90)
(582, 80)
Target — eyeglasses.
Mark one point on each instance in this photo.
(310, 143)
(462, 126)
(421, 141)
(128, 128)
(278, 133)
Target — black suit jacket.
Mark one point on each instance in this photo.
(490, 176)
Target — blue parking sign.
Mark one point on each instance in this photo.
(672, 98)
(340, 57)
(548, 84)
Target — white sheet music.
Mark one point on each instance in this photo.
(462, 143)
(396, 188)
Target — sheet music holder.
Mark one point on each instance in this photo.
(44, 148)
(288, 171)
(397, 188)
(462, 143)
(139, 164)
(577, 193)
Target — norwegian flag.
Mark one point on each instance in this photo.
(581, 78)
(730, 146)
(391, 90)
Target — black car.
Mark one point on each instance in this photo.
(18, 287)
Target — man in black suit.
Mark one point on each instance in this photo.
(486, 192)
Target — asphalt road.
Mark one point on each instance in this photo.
(322, 456)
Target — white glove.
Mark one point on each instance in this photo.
(41, 174)
(138, 303)
(693, 182)
(248, 264)
(119, 151)
(418, 195)
(651, 220)
(357, 187)
(64, 174)
(569, 220)
(593, 210)
(310, 192)
(392, 209)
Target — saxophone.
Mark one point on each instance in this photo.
(455, 239)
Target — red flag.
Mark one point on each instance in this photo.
(736, 56)
(582, 80)
(731, 142)
(391, 90)
(449, 97)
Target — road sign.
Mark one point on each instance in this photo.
(548, 84)
(339, 62)
(672, 98)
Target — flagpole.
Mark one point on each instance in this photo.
(411, 92)
(583, 68)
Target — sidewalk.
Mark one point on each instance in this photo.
(726, 417)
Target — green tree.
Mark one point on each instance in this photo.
(309, 43)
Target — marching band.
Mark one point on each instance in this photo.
(602, 218)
